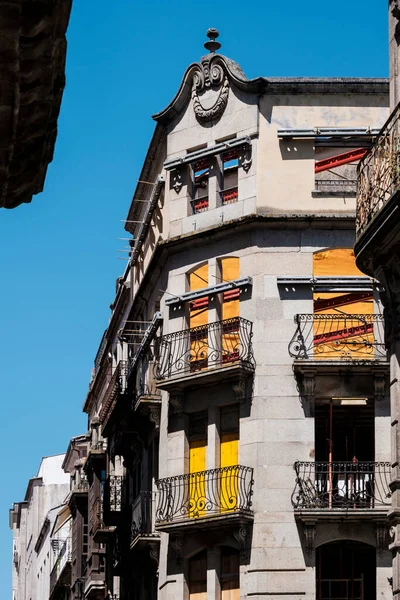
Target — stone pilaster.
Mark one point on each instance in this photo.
(389, 276)
(394, 45)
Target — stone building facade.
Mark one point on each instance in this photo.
(31, 522)
(239, 415)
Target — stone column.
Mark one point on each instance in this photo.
(213, 583)
(389, 276)
(394, 513)
(394, 48)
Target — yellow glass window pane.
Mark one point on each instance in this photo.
(335, 262)
(230, 268)
(197, 483)
(229, 449)
(348, 336)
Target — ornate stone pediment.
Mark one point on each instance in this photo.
(208, 84)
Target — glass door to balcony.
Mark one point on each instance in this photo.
(344, 453)
(346, 571)
(343, 321)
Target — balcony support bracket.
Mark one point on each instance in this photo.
(310, 531)
(242, 536)
(176, 400)
(177, 545)
(382, 542)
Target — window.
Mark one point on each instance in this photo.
(336, 170)
(200, 177)
(198, 576)
(343, 322)
(230, 168)
(229, 457)
(197, 463)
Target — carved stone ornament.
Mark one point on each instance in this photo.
(177, 545)
(239, 389)
(177, 182)
(176, 401)
(209, 76)
(155, 553)
(241, 535)
(155, 414)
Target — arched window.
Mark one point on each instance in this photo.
(346, 570)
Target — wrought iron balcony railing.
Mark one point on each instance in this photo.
(378, 173)
(113, 495)
(142, 516)
(336, 485)
(115, 387)
(64, 557)
(338, 337)
(213, 345)
(205, 494)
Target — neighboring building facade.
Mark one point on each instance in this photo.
(377, 251)
(31, 522)
(238, 411)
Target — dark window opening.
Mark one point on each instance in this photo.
(346, 571)
(201, 173)
(230, 170)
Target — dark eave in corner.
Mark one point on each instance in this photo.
(32, 72)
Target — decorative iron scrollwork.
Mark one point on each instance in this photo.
(347, 485)
(204, 494)
(216, 344)
(338, 337)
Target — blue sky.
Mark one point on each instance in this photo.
(59, 254)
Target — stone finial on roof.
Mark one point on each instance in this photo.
(212, 45)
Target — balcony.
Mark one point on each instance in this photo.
(115, 388)
(338, 337)
(142, 529)
(220, 349)
(339, 355)
(113, 499)
(61, 572)
(100, 529)
(208, 498)
(378, 197)
(330, 489)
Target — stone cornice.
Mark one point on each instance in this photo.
(164, 248)
(32, 71)
(196, 73)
